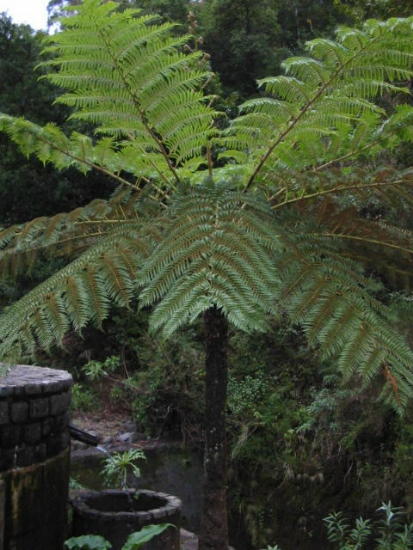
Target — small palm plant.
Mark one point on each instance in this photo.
(233, 226)
(134, 541)
(118, 466)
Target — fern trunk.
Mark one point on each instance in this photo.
(214, 528)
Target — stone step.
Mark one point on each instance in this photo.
(189, 541)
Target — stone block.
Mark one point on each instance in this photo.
(19, 412)
(47, 426)
(32, 433)
(4, 412)
(39, 408)
(40, 452)
(59, 403)
(60, 423)
(5, 391)
(24, 456)
(10, 436)
(6, 459)
(33, 388)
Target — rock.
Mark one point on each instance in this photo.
(78, 446)
(127, 437)
(129, 426)
(189, 541)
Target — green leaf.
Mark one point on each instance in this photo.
(136, 540)
(88, 542)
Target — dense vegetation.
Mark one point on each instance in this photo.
(311, 439)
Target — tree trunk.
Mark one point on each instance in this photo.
(214, 524)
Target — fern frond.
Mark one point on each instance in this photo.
(330, 93)
(214, 253)
(127, 75)
(360, 186)
(332, 301)
(67, 234)
(50, 145)
(383, 248)
(80, 293)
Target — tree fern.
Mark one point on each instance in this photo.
(276, 228)
(129, 77)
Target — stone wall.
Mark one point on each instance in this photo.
(33, 415)
(34, 457)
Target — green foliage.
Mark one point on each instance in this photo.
(242, 39)
(391, 532)
(94, 370)
(167, 390)
(188, 248)
(329, 95)
(360, 10)
(88, 542)
(214, 253)
(134, 541)
(118, 465)
(75, 485)
(83, 399)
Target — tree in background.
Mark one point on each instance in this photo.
(243, 40)
(263, 219)
(28, 188)
(358, 10)
(248, 39)
(171, 10)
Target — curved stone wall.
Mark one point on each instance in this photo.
(115, 514)
(34, 457)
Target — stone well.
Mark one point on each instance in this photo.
(115, 514)
(34, 458)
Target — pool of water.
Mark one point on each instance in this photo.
(168, 469)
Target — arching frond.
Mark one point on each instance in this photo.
(50, 145)
(390, 187)
(68, 234)
(217, 251)
(80, 293)
(384, 249)
(331, 299)
(129, 77)
(330, 94)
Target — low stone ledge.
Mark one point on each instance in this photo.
(33, 415)
(31, 380)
